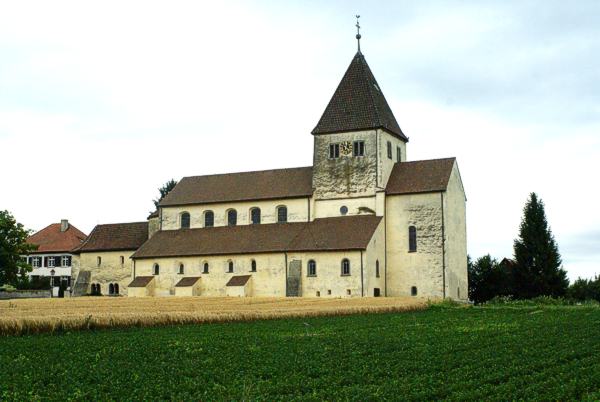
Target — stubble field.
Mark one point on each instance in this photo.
(27, 316)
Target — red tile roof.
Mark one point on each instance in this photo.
(342, 233)
(420, 176)
(259, 185)
(238, 280)
(52, 240)
(358, 104)
(115, 236)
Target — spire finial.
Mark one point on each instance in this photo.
(358, 32)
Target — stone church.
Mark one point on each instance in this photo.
(362, 221)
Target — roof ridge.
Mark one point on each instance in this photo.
(248, 171)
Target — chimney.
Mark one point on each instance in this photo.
(64, 225)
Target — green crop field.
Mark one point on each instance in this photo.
(440, 353)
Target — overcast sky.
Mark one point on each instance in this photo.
(101, 103)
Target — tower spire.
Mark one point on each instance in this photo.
(358, 32)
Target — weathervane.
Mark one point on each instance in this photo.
(358, 32)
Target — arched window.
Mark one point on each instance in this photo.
(345, 267)
(312, 268)
(413, 291)
(98, 260)
(156, 269)
(230, 266)
(111, 289)
(95, 289)
(377, 269)
(255, 216)
(116, 288)
(232, 217)
(282, 214)
(209, 219)
(412, 239)
(181, 269)
(205, 268)
(253, 266)
(185, 220)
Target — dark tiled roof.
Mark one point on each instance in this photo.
(153, 215)
(420, 176)
(115, 236)
(189, 281)
(358, 104)
(52, 240)
(260, 185)
(141, 281)
(344, 233)
(238, 280)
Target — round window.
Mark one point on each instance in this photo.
(344, 210)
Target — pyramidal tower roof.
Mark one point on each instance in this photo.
(358, 104)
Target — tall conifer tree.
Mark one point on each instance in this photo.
(538, 271)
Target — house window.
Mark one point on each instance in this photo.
(230, 266)
(156, 269)
(345, 267)
(412, 239)
(98, 261)
(398, 154)
(282, 214)
(389, 150)
(312, 268)
(181, 269)
(377, 269)
(359, 148)
(66, 261)
(205, 271)
(51, 262)
(253, 266)
(255, 216)
(413, 291)
(36, 262)
(209, 219)
(334, 151)
(185, 220)
(232, 217)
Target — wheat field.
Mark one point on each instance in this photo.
(27, 316)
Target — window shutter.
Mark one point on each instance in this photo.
(69, 261)
(57, 261)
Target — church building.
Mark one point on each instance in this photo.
(363, 220)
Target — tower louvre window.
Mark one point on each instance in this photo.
(334, 151)
(389, 150)
(359, 148)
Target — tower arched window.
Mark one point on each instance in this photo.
(205, 268)
(255, 216)
(181, 269)
(377, 269)
(345, 267)
(282, 214)
(412, 239)
(185, 220)
(209, 219)
(156, 269)
(312, 268)
(232, 217)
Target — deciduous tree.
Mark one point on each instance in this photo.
(13, 246)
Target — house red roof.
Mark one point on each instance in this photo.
(52, 240)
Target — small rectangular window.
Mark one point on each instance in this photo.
(398, 154)
(412, 239)
(359, 148)
(334, 151)
(36, 262)
(51, 262)
(66, 261)
(389, 150)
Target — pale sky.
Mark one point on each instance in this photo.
(101, 103)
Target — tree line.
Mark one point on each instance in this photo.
(536, 269)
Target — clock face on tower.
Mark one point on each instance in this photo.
(346, 148)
